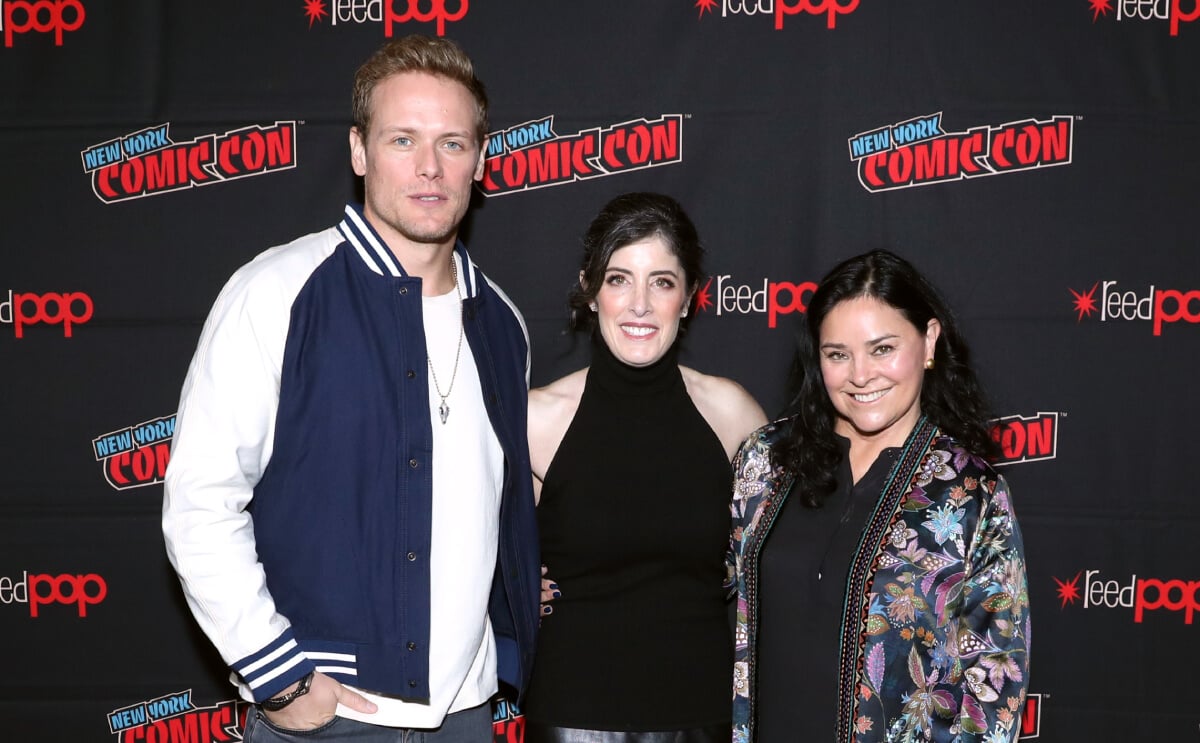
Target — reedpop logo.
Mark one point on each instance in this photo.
(1146, 10)
(1160, 306)
(772, 298)
(1140, 594)
(780, 9)
(381, 11)
(24, 309)
(42, 590)
(43, 17)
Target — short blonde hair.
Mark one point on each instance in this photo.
(416, 53)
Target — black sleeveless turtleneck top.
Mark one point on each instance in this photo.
(634, 521)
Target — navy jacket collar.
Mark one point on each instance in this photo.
(375, 253)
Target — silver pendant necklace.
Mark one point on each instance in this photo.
(444, 408)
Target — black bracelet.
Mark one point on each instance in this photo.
(274, 704)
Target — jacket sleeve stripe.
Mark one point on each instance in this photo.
(273, 668)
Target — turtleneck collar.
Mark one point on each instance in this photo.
(612, 374)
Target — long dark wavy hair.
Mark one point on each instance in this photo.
(951, 395)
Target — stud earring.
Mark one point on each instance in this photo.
(592, 306)
(928, 363)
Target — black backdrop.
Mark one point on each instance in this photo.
(1046, 184)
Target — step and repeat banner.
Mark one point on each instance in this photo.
(1040, 161)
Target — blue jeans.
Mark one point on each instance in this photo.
(468, 726)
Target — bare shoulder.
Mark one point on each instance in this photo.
(719, 391)
(730, 410)
(563, 392)
(551, 410)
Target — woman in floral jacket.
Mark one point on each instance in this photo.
(889, 602)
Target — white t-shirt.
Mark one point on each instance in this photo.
(468, 474)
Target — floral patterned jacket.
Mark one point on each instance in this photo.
(935, 627)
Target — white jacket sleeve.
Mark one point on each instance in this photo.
(222, 444)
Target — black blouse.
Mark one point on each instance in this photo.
(634, 520)
(802, 579)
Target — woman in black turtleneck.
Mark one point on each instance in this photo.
(631, 465)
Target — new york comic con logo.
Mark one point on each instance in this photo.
(42, 17)
(508, 724)
(919, 152)
(1146, 10)
(532, 155)
(136, 456)
(1031, 717)
(780, 9)
(174, 718)
(387, 12)
(149, 162)
(1026, 439)
(1158, 306)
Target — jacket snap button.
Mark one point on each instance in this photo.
(412, 556)
(403, 290)
(412, 646)
(412, 463)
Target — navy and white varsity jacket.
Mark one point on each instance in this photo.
(297, 506)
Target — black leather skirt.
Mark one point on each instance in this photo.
(536, 733)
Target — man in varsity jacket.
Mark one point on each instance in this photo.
(348, 504)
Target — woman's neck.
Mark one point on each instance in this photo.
(865, 448)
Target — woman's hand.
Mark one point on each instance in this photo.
(549, 593)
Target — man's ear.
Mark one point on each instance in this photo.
(358, 152)
(479, 166)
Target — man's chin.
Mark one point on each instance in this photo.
(427, 235)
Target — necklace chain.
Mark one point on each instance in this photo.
(444, 408)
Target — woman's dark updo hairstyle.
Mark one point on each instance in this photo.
(951, 395)
(627, 219)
